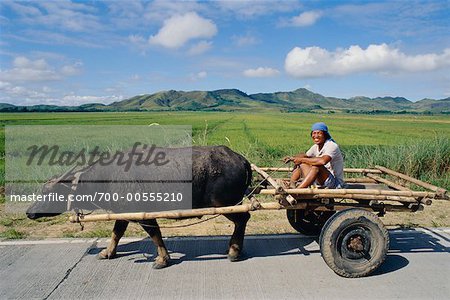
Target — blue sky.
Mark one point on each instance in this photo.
(75, 52)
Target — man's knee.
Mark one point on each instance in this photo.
(314, 169)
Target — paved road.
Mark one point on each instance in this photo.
(282, 267)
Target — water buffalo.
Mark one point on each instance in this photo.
(220, 177)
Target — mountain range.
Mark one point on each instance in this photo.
(300, 100)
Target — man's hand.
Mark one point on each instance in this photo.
(287, 159)
(297, 160)
(294, 159)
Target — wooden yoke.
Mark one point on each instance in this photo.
(279, 190)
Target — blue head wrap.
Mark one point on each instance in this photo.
(322, 127)
(319, 126)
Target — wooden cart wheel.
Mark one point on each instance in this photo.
(354, 243)
(308, 222)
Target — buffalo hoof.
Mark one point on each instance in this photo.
(160, 263)
(233, 258)
(234, 253)
(106, 254)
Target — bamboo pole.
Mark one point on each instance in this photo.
(388, 183)
(439, 191)
(279, 188)
(391, 184)
(268, 178)
(313, 191)
(351, 180)
(363, 197)
(355, 170)
(139, 216)
(226, 210)
(166, 214)
(346, 170)
(359, 180)
(280, 169)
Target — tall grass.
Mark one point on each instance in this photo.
(428, 160)
(403, 144)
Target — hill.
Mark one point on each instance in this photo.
(236, 100)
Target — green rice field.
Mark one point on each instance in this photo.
(415, 145)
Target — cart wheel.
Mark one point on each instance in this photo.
(354, 242)
(308, 222)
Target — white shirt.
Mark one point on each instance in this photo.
(336, 165)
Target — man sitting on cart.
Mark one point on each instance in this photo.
(322, 164)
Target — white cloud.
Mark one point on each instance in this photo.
(10, 91)
(21, 95)
(67, 15)
(255, 8)
(319, 62)
(23, 9)
(136, 39)
(395, 18)
(64, 23)
(179, 29)
(53, 38)
(126, 13)
(25, 63)
(139, 42)
(244, 40)
(135, 77)
(306, 18)
(73, 99)
(71, 70)
(26, 70)
(160, 10)
(200, 47)
(199, 75)
(261, 72)
(4, 85)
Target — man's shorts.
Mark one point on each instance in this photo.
(332, 183)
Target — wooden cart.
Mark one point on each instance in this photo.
(353, 241)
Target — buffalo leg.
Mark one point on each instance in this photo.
(118, 231)
(152, 228)
(237, 239)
